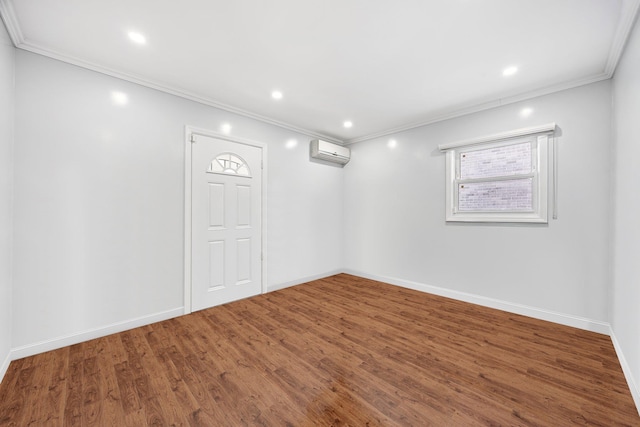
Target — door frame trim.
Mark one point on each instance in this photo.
(192, 130)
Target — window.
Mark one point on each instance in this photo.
(229, 164)
(499, 178)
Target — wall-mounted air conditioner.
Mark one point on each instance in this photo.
(330, 152)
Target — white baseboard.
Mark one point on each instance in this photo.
(55, 343)
(5, 366)
(59, 342)
(277, 287)
(626, 369)
(537, 313)
(563, 319)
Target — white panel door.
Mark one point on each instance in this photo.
(226, 221)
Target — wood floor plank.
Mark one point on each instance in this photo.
(56, 396)
(126, 386)
(33, 384)
(341, 351)
(13, 400)
(112, 411)
(73, 399)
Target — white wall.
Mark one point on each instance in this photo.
(395, 225)
(625, 295)
(99, 202)
(7, 61)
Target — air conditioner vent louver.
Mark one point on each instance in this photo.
(330, 152)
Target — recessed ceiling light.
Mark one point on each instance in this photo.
(292, 143)
(119, 98)
(276, 94)
(392, 143)
(348, 124)
(225, 128)
(510, 71)
(137, 37)
(526, 112)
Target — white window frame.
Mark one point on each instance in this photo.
(540, 138)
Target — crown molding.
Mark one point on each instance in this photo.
(163, 87)
(475, 107)
(8, 15)
(628, 18)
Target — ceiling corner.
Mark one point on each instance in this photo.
(628, 17)
(8, 15)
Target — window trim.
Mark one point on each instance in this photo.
(540, 137)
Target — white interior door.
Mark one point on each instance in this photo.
(226, 221)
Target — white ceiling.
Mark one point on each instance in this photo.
(385, 65)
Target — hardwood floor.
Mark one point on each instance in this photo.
(334, 352)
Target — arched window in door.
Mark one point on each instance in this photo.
(229, 164)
